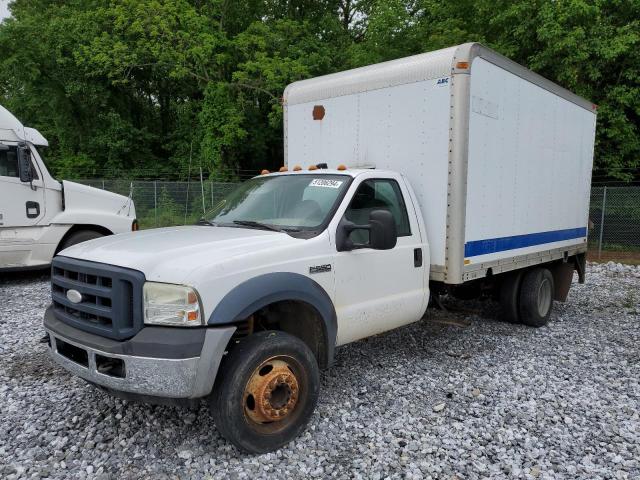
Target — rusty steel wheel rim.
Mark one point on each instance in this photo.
(272, 393)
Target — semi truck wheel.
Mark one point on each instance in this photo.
(79, 237)
(536, 297)
(267, 393)
(510, 297)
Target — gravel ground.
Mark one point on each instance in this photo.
(456, 396)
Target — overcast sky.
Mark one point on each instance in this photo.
(4, 9)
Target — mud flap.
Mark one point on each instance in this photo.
(562, 278)
(581, 266)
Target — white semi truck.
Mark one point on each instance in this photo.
(39, 216)
(452, 171)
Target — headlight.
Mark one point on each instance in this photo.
(166, 304)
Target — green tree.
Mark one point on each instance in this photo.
(150, 88)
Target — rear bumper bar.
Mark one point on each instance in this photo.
(139, 366)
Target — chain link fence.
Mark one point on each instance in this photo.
(614, 214)
(164, 204)
(615, 223)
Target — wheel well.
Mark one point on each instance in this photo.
(294, 317)
(80, 228)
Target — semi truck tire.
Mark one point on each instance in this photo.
(79, 237)
(510, 297)
(267, 391)
(536, 297)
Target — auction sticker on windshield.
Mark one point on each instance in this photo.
(321, 182)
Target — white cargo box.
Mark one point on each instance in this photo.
(499, 157)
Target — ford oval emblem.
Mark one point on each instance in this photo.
(74, 296)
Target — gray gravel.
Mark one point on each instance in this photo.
(456, 396)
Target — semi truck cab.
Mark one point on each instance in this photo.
(39, 216)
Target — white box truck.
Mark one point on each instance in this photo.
(39, 216)
(456, 171)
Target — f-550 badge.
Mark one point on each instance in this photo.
(320, 268)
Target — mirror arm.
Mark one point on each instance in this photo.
(344, 242)
(350, 227)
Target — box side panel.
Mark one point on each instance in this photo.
(404, 128)
(529, 168)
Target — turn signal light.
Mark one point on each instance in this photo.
(462, 65)
(134, 226)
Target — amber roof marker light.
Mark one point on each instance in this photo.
(297, 168)
(283, 169)
(341, 167)
(265, 172)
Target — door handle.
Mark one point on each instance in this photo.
(33, 209)
(417, 257)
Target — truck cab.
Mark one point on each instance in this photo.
(39, 215)
(289, 266)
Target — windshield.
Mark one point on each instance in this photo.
(297, 202)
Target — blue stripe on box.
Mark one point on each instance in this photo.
(492, 245)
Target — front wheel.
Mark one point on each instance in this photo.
(267, 392)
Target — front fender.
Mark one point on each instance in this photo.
(263, 290)
(112, 222)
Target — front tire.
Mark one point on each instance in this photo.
(536, 297)
(267, 392)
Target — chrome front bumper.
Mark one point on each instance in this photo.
(159, 377)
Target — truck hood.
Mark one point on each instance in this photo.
(81, 197)
(170, 254)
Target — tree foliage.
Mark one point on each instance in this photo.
(149, 88)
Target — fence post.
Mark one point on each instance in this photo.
(604, 205)
(155, 202)
(103, 184)
(211, 194)
(204, 209)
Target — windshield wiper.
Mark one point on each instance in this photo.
(264, 226)
(204, 221)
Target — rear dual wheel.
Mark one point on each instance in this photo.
(528, 297)
(268, 391)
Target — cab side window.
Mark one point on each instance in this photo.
(377, 194)
(8, 161)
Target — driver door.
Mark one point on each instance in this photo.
(20, 204)
(377, 290)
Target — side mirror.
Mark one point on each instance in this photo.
(382, 232)
(24, 164)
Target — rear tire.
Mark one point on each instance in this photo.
(267, 391)
(536, 297)
(79, 237)
(510, 297)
